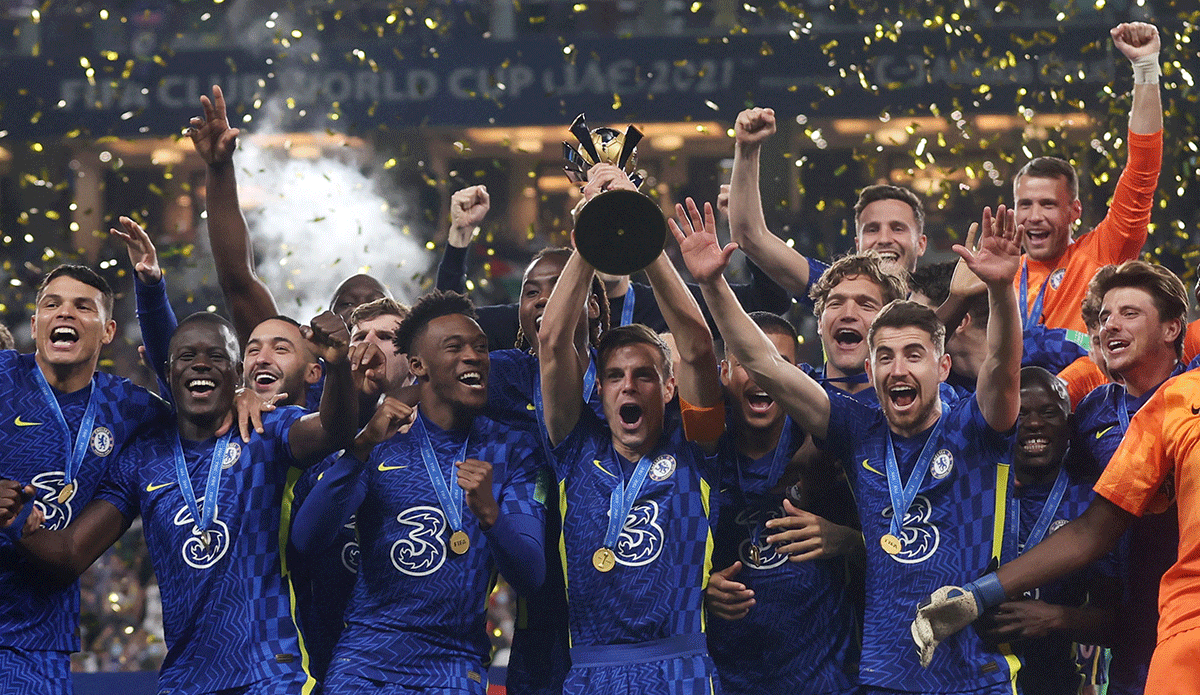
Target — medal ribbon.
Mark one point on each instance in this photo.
(203, 519)
(777, 460)
(627, 307)
(620, 502)
(902, 497)
(449, 496)
(75, 455)
(1031, 317)
(1043, 522)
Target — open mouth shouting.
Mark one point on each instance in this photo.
(1035, 445)
(1114, 347)
(264, 380)
(631, 415)
(759, 402)
(888, 255)
(848, 338)
(902, 396)
(63, 337)
(1037, 237)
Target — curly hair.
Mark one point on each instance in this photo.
(428, 307)
(893, 284)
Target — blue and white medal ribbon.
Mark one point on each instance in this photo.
(1031, 316)
(450, 497)
(620, 502)
(74, 458)
(1038, 532)
(202, 519)
(903, 496)
(627, 306)
(778, 460)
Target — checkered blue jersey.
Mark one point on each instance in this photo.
(417, 616)
(950, 535)
(1151, 544)
(227, 606)
(801, 635)
(33, 450)
(1049, 663)
(323, 580)
(538, 656)
(656, 589)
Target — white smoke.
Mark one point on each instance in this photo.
(315, 222)
(318, 213)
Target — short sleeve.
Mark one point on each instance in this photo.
(572, 449)
(121, 484)
(277, 427)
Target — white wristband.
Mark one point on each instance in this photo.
(1146, 69)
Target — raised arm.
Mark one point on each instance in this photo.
(698, 383)
(247, 297)
(996, 263)
(468, 207)
(1139, 42)
(558, 356)
(747, 224)
(1124, 230)
(804, 399)
(319, 434)
(156, 319)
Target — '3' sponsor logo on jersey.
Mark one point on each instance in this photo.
(49, 485)
(918, 538)
(641, 539)
(202, 549)
(422, 549)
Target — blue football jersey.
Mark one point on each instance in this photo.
(801, 635)
(656, 589)
(538, 660)
(1049, 663)
(33, 450)
(227, 604)
(417, 616)
(323, 580)
(955, 526)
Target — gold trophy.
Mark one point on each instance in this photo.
(620, 231)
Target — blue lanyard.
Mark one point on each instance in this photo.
(203, 519)
(902, 497)
(1043, 522)
(777, 460)
(1031, 317)
(450, 497)
(74, 455)
(627, 307)
(620, 502)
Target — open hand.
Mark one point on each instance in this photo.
(998, 257)
(697, 238)
(142, 255)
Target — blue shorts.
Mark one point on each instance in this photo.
(350, 683)
(35, 673)
(672, 666)
(298, 683)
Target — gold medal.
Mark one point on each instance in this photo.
(755, 554)
(890, 544)
(204, 540)
(604, 560)
(65, 493)
(460, 542)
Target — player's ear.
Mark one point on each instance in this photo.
(415, 366)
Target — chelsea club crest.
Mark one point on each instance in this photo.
(662, 468)
(102, 441)
(233, 452)
(943, 463)
(1056, 278)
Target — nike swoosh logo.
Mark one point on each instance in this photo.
(21, 423)
(596, 463)
(385, 469)
(1101, 432)
(868, 467)
(152, 487)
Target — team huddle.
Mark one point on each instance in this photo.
(680, 505)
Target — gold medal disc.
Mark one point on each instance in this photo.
(604, 560)
(755, 554)
(460, 542)
(65, 493)
(890, 544)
